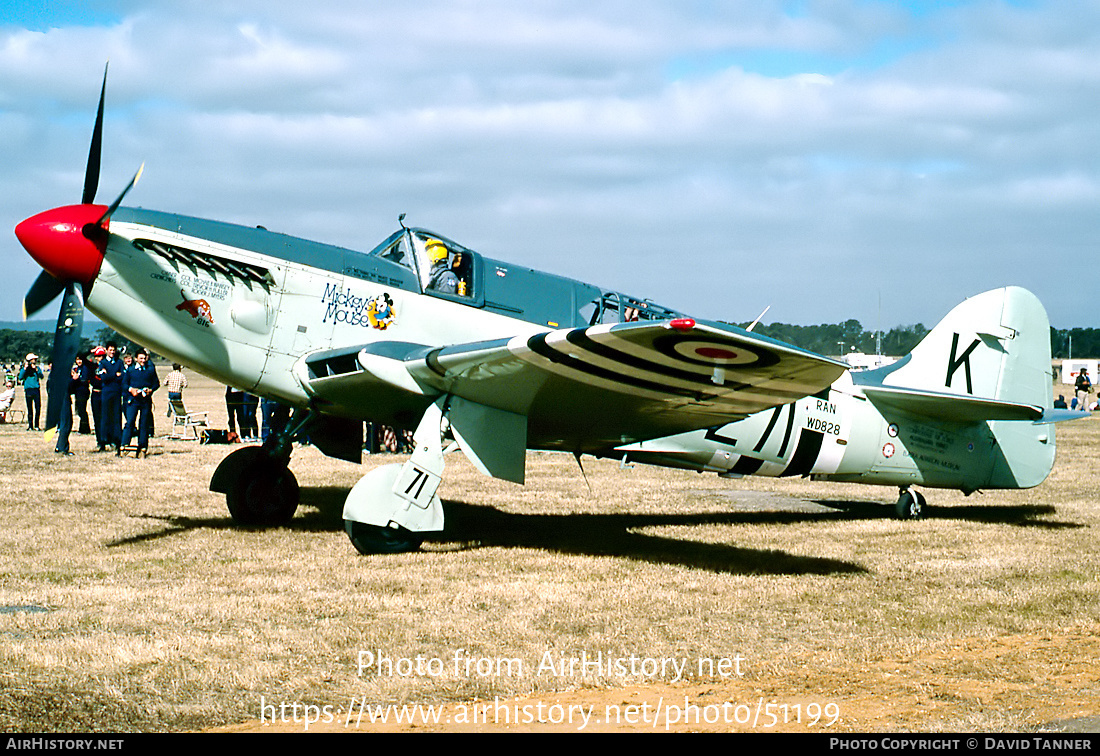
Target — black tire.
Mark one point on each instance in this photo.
(372, 539)
(910, 505)
(264, 495)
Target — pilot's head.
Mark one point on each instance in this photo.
(437, 250)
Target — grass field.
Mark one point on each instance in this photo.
(129, 601)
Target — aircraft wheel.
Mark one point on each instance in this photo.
(373, 539)
(910, 505)
(265, 494)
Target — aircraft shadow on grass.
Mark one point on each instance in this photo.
(478, 526)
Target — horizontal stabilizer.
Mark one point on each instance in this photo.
(953, 408)
(1062, 415)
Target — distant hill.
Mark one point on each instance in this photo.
(30, 325)
(91, 325)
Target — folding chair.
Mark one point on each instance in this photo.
(185, 425)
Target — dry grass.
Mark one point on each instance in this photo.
(160, 615)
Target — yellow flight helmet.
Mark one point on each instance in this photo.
(436, 249)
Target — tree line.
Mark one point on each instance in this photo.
(835, 338)
(838, 338)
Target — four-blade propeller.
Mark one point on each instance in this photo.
(69, 243)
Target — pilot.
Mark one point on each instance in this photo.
(441, 278)
(456, 267)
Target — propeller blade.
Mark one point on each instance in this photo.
(118, 200)
(91, 175)
(43, 291)
(66, 343)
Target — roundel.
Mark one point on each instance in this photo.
(700, 350)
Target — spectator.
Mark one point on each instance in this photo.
(30, 375)
(250, 405)
(1083, 385)
(110, 372)
(234, 408)
(82, 393)
(140, 382)
(7, 396)
(96, 395)
(174, 383)
(65, 420)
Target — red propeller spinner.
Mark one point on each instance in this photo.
(68, 242)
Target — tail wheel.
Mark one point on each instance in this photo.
(374, 539)
(910, 505)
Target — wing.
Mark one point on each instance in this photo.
(593, 389)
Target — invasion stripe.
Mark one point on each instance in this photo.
(747, 465)
(805, 454)
(787, 433)
(768, 431)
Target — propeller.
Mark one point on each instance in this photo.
(91, 173)
(66, 343)
(69, 243)
(43, 291)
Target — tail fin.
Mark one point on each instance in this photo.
(992, 352)
(988, 361)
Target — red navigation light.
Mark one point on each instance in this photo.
(682, 324)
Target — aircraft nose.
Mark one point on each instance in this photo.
(67, 242)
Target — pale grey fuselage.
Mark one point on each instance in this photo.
(842, 436)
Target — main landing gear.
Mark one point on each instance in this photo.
(910, 504)
(260, 490)
(390, 508)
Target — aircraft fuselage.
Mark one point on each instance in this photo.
(840, 435)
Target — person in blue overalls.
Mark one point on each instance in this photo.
(96, 395)
(65, 421)
(140, 381)
(110, 372)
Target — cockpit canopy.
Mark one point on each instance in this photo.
(444, 268)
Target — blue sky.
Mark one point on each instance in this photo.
(43, 15)
(717, 157)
